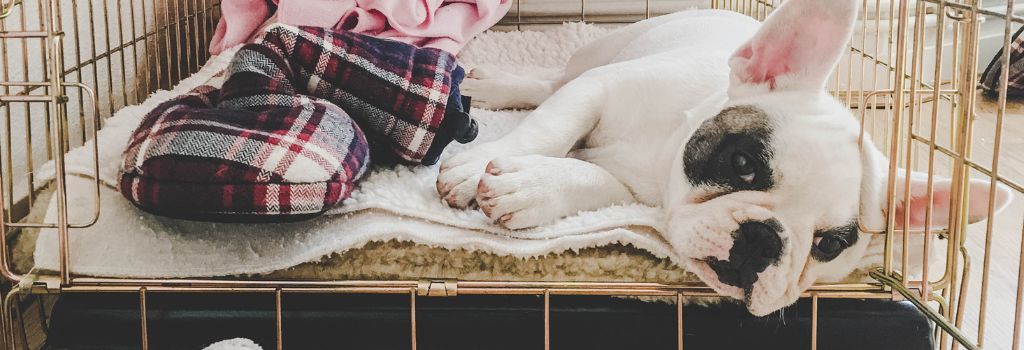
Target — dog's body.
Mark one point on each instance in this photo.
(608, 100)
(713, 116)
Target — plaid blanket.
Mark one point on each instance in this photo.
(405, 98)
(991, 77)
(293, 127)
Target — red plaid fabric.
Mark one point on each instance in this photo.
(270, 157)
(398, 93)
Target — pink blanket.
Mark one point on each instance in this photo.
(442, 24)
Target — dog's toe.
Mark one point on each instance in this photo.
(459, 178)
(493, 186)
(481, 72)
(492, 169)
(486, 207)
(441, 188)
(482, 190)
(458, 190)
(528, 218)
(462, 195)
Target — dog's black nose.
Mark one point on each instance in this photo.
(755, 246)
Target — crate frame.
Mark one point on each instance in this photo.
(899, 98)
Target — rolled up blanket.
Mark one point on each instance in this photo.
(285, 155)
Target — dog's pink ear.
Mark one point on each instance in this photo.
(977, 204)
(795, 49)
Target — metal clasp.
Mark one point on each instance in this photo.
(438, 288)
(7, 10)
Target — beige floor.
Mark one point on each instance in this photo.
(1005, 248)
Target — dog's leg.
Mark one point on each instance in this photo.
(551, 130)
(528, 191)
(492, 88)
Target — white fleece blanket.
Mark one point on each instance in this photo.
(399, 203)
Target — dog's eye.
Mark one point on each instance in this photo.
(828, 247)
(743, 166)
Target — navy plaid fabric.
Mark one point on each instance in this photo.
(991, 78)
(400, 94)
(292, 127)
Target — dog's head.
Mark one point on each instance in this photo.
(782, 135)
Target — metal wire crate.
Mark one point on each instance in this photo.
(910, 75)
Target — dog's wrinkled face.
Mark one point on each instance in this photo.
(766, 192)
(764, 197)
(801, 152)
(767, 195)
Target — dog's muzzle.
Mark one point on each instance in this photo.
(756, 245)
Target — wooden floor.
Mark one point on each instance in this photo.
(1005, 245)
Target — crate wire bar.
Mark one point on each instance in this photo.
(912, 66)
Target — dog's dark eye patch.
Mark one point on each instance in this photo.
(731, 151)
(829, 243)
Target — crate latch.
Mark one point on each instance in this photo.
(438, 288)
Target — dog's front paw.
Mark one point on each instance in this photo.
(460, 175)
(517, 193)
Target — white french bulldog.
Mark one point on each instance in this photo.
(722, 121)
